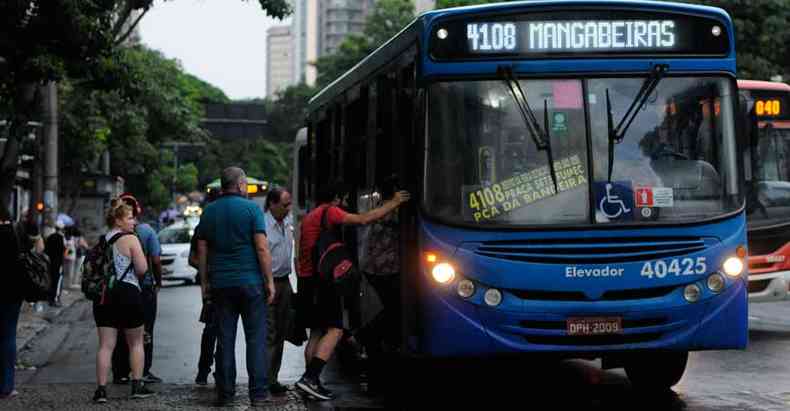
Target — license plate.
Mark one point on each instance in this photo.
(594, 325)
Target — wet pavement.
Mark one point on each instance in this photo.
(754, 379)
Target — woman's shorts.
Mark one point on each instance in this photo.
(124, 310)
(318, 305)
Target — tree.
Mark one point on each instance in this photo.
(387, 19)
(288, 112)
(762, 34)
(49, 40)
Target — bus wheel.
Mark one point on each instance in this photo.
(656, 371)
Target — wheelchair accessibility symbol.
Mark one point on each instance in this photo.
(615, 200)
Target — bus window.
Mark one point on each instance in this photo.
(484, 164)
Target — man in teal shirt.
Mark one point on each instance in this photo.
(241, 282)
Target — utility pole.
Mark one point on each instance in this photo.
(50, 117)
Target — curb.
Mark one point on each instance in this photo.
(35, 324)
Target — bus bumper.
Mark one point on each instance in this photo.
(454, 327)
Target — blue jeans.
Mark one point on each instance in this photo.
(249, 302)
(9, 317)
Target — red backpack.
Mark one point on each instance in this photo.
(333, 261)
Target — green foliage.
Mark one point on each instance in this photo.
(199, 90)
(288, 112)
(259, 158)
(144, 98)
(387, 19)
(762, 34)
(187, 178)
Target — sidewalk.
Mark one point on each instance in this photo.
(32, 323)
(64, 397)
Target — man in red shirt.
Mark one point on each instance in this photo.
(319, 307)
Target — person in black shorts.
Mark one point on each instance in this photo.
(319, 307)
(122, 307)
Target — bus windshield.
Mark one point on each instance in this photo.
(675, 163)
(769, 188)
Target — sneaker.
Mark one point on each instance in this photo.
(314, 388)
(201, 379)
(100, 396)
(277, 389)
(120, 380)
(10, 395)
(150, 378)
(139, 390)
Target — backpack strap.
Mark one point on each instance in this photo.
(117, 237)
(324, 218)
(112, 240)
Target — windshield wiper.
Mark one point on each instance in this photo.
(617, 134)
(540, 136)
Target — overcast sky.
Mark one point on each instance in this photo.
(220, 41)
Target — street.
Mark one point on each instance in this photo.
(727, 380)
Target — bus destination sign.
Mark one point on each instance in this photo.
(545, 35)
(563, 36)
(770, 105)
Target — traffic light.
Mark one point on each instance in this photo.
(40, 207)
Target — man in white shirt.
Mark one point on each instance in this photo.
(279, 231)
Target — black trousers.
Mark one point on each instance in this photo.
(208, 342)
(384, 333)
(55, 273)
(277, 325)
(120, 357)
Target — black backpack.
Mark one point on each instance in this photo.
(332, 260)
(34, 280)
(37, 280)
(98, 270)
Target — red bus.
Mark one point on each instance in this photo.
(766, 109)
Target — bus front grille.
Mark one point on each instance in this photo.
(611, 295)
(590, 250)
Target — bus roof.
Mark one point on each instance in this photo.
(763, 85)
(411, 33)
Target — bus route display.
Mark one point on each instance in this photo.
(518, 191)
(770, 105)
(588, 32)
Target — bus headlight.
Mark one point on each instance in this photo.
(733, 266)
(692, 293)
(716, 282)
(493, 297)
(443, 273)
(466, 288)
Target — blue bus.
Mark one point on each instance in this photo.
(578, 188)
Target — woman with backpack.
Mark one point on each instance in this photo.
(120, 308)
(11, 296)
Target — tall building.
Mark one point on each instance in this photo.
(279, 59)
(339, 18)
(319, 26)
(304, 28)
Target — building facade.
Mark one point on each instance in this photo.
(279, 59)
(319, 26)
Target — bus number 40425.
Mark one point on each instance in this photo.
(675, 266)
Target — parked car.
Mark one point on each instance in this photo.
(175, 241)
